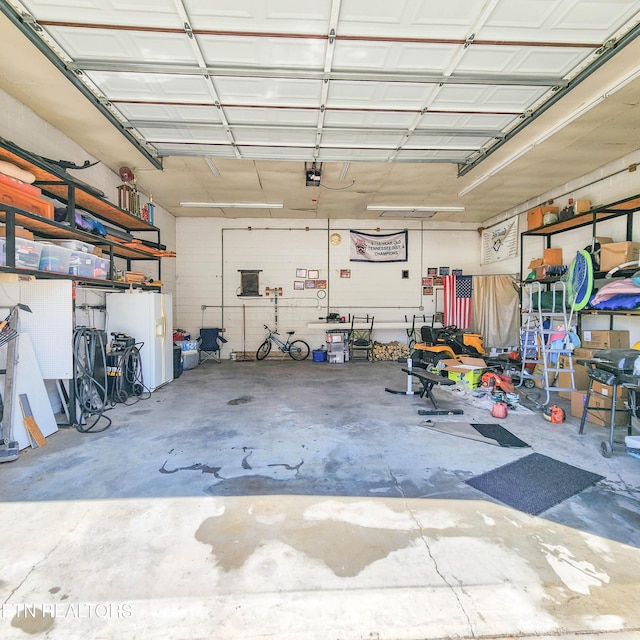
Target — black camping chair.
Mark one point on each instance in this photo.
(209, 344)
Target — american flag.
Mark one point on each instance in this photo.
(457, 301)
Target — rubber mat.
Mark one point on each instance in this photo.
(488, 433)
(498, 433)
(534, 483)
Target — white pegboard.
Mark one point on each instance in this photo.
(49, 325)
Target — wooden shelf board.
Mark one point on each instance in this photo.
(54, 230)
(85, 199)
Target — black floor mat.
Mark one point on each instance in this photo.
(498, 433)
(534, 483)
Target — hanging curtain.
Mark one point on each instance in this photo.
(496, 311)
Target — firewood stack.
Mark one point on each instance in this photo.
(390, 350)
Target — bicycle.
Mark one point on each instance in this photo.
(298, 349)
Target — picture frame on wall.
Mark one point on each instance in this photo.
(298, 285)
(313, 274)
(432, 271)
(345, 273)
(443, 271)
(301, 273)
(456, 272)
(309, 284)
(427, 282)
(321, 284)
(427, 291)
(438, 281)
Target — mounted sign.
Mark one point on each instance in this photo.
(500, 242)
(390, 247)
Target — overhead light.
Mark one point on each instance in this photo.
(343, 173)
(561, 124)
(393, 213)
(212, 166)
(409, 208)
(234, 205)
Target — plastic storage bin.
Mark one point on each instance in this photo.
(27, 253)
(54, 258)
(82, 264)
(75, 245)
(100, 267)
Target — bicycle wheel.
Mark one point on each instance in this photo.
(263, 350)
(299, 350)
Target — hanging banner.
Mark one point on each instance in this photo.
(500, 242)
(391, 247)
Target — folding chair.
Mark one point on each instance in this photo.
(209, 344)
(360, 338)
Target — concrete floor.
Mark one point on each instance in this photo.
(293, 500)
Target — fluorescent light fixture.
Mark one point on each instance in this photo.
(234, 205)
(212, 166)
(390, 207)
(392, 213)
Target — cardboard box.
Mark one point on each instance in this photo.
(538, 380)
(467, 371)
(601, 400)
(535, 263)
(613, 254)
(597, 416)
(541, 272)
(581, 206)
(553, 257)
(580, 376)
(583, 354)
(607, 390)
(578, 399)
(605, 339)
(535, 216)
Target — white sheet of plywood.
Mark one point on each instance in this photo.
(28, 379)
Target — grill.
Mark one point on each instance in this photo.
(616, 368)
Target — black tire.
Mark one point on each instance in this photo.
(263, 350)
(299, 350)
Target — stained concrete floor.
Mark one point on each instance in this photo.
(300, 500)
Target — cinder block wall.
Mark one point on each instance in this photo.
(212, 251)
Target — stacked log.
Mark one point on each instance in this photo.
(390, 350)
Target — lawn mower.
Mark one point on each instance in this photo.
(445, 344)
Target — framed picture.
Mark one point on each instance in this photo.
(427, 282)
(301, 273)
(432, 271)
(309, 284)
(313, 274)
(298, 285)
(443, 271)
(456, 272)
(438, 281)
(345, 273)
(427, 291)
(321, 284)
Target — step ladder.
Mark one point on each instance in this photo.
(537, 348)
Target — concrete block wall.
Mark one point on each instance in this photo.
(211, 253)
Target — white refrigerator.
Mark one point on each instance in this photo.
(148, 317)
